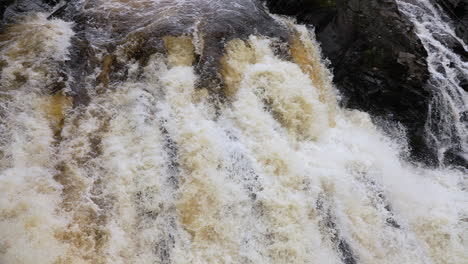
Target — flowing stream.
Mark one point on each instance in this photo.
(197, 131)
(447, 125)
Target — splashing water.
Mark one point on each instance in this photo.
(158, 166)
(447, 125)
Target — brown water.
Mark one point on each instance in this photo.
(201, 132)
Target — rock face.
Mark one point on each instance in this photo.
(378, 61)
(457, 10)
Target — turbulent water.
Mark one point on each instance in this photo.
(173, 135)
(447, 126)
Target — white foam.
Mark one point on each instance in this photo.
(157, 170)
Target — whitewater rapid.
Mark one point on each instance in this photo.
(158, 168)
(447, 125)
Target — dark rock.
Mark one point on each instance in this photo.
(454, 158)
(379, 63)
(457, 10)
(3, 6)
(11, 9)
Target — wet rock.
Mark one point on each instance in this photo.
(12, 9)
(3, 6)
(137, 33)
(457, 10)
(454, 157)
(138, 27)
(379, 63)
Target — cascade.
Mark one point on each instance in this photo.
(447, 125)
(197, 131)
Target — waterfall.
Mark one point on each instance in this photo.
(447, 124)
(199, 131)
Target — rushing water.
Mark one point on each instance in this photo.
(171, 135)
(447, 125)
